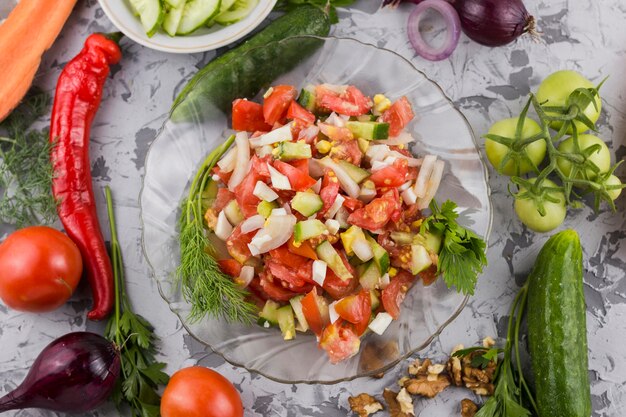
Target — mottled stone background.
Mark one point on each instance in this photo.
(486, 84)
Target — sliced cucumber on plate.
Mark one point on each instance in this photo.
(239, 10)
(196, 14)
(173, 18)
(174, 3)
(150, 13)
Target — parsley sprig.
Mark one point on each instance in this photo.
(141, 375)
(462, 256)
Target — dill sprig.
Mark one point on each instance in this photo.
(25, 168)
(209, 291)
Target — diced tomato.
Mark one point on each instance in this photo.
(230, 267)
(299, 180)
(312, 313)
(224, 176)
(348, 151)
(329, 191)
(352, 204)
(274, 290)
(336, 133)
(335, 286)
(339, 341)
(351, 103)
(247, 201)
(301, 165)
(375, 215)
(398, 116)
(297, 112)
(305, 249)
(288, 276)
(237, 245)
(276, 104)
(248, 116)
(394, 293)
(285, 256)
(259, 165)
(357, 309)
(224, 196)
(391, 176)
(413, 173)
(255, 289)
(429, 275)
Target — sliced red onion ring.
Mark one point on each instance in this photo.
(453, 25)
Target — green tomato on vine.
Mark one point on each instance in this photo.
(601, 157)
(541, 210)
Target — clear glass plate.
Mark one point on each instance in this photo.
(181, 146)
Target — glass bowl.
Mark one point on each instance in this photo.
(441, 129)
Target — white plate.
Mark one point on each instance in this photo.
(204, 39)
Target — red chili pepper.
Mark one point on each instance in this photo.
(76, 101)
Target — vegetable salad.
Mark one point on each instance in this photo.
(319, 205)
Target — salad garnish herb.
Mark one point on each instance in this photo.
(209, 290)
(141, 375)
(462, 256)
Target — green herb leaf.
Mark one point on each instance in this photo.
(462, 256)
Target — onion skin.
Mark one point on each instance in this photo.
(75, 373)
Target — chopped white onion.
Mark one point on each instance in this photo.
(432, 185)
(319, 272)
(409, 196)
(252, 223)
(246, 275)
(362, 249)
(257, 242)
(309, 133)
(405, 186)
(277, 135)
(345, 181)
(403, 138)
(380, 323)
(342, 217)
(367, 194)
(335, 120)
(264, 151)
(216, 178)
(243, 159)
(332, 225)
(279, 212)
(277, 231)
(279, 181)
(227, 163)
(332, 313)
(264, 192)
(334, 208)
(317, 186)
(413, 162)
(316, 169)
(223, 228)
(377, 152)
(424, 175)
(384, 280)
(390, 160)
(378, 165)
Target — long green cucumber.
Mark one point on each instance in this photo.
(246, 69)
(557, 330)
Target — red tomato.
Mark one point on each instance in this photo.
(200, 392)
(394, 293)
(356, 309)
(273, 289)
(391, 176)
(247, 201)
(429, 275)
(285, 256)
(340, 342)
(288, 276)
(297, 112)
(237, 245)
(40, 268)
(276, 104)
(329, 191)
(398, 116)
(248, 116)
(222, 199)
(224, 176)
(335, 133)
(230, 267)
(352, 204)
(299, 180)
(377, 213)
(312, 313)
(305, 249)
(348, 151)
(259, 166)
(351, 103)
(301, 165)
(338, 288)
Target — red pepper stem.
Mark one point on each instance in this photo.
(114, 36)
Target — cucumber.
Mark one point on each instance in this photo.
(308, 229)
(286, 322)
(245, 70)
(370, 277)
(356, 173)
(381, 257)
(307, 204)
(175, 3)
(196, 13)
(328, 254)
(172, 19)
(269, 313)
(296, 304)
(289, 151)
(265, 208)
(307, 98)
(369, 130)
(557, 329)
(150, 13)
(236, 12)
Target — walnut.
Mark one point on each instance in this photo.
(402, 380)
(478, 379)
(364, 405)
(426, 387)
(468, 408)
(488, 342)
(406, 402)
(454, 370)
(434, 371)
(394, 406)
(210, 218)
(417, 368)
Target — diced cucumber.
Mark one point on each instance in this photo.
(238, 11)
(402, 238)
(328, 254)
(354, 172)
(367, 118)
(381, 257)
(430, 241)
(265, 208)
(296, 304)
(288, 151)
(364, 144)
(307, 204)
(196, 13)
(173, 18)
(369, 130)
(308, 229)
(420, 259)
(233, 213)
(269, 313)
(307, 98)
(349, 236)
(370, 277)
(286, 322)
(209, 194)
(374, 299)
(150, 13)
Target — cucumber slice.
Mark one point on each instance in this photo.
(307, 98)
(286, 322)
(173, 18)
(269, 313)
(328, 254)
(296, 304)
(369, 130)
(196, 14)
(224, 6)
(307, 204)
(354, 172)
(370, 278)
(175, 3)
(308, 229)
(150, 13)
(238, 11)
(420, 259)
(381, 257)
(288, 151)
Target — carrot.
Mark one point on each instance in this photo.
(29, 30)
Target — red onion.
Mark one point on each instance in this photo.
(452, 24)
(75, 373)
